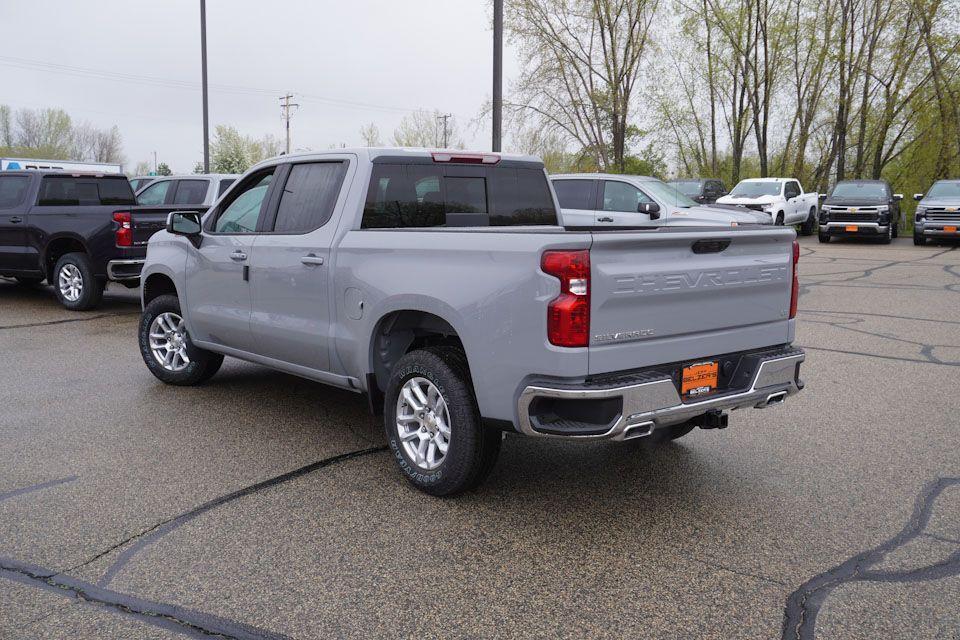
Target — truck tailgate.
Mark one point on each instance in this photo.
(147, 220)
(682, 294)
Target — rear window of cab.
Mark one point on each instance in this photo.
(66, 191)
(430, 195)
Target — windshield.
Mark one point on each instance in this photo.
(859, 190)
(689, 187)
(944, 190)
(754, 188)
(666, 193)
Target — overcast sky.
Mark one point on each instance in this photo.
(136, 64)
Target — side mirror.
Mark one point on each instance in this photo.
(918, 196)
(184, 223)
(823, 196)
(898, 197)
(651, 208)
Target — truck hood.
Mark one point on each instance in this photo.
(855, 202)
(940, 202)
(725, 216)
(745, 200)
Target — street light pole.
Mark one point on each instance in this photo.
(497, 73)
(203, 63)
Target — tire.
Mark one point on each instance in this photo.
(201, 364)
(896, 228)
(75, 284)
(823, 237)
(806, 229)
(779, 220)
(472, 450)
(673, 432)
(888, 238)
(28, 281)
(919, 240)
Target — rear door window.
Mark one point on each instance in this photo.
(82, 191)
(156, 193)
(574, 194)
(191, 192)
(12, 190)
(309, 196)
(224, 185)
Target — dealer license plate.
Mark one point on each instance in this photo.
(699, 379)
(852, 227)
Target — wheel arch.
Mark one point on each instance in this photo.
(57, 247)
(155, 285)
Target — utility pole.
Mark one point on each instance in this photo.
(285, 106)
(203, 66)
(497, 73)
(445, 117)
(154, 161)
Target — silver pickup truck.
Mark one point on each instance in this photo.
(441, 285)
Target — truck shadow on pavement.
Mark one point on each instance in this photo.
(803, 605)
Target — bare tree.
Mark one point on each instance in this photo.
(370, 134)
(424, 129)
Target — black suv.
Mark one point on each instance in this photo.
(704, 191)
(860, 209)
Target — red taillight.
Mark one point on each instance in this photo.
(124, 229)
(795, 292)
(568, 315)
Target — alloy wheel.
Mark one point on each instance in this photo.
(70, 282)
(168, 341)
(423, 423)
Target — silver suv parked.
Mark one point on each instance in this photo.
(442, 286)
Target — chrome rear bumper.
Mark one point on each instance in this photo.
(655, 403)
(120, 270)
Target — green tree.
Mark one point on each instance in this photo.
(163, 169)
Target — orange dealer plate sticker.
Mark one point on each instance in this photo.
(852, 227)
(699, 378)
(950, 229)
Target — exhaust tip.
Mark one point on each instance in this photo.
(775, 398)
(638, 430)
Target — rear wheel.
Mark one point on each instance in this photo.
(166, 347)
(806, 229)
(77, 288)
(433, 424)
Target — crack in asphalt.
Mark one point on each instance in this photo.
(68, 320)
(171, 617)
(881, 357)
(153, 534)
(878, 315)
(926, 349)
(803, 605)
(36, 487)
(158, 614)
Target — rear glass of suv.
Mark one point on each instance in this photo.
(456, 195)
(59, 191)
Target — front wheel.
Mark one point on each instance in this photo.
(919, 240)
(433, 424)
(77, 288)
(824, 238)
(888, 236)
(166, 347)
(779, 220)
(806, 229)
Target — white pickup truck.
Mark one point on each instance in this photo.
(782, 198)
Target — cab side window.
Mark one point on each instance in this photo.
(243, 211)
(12, 190)
(620, 196)
(792, 190)
(156, 193)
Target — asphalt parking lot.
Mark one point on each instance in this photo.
(264, 506)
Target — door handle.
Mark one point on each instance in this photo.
(311, 260)
(604, 219)
(16, 219)
(239, 256)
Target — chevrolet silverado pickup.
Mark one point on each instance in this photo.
(613, 200)
(783, 199)
(442, 285)
(860, 209)
(938, 212)
(73, 230)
